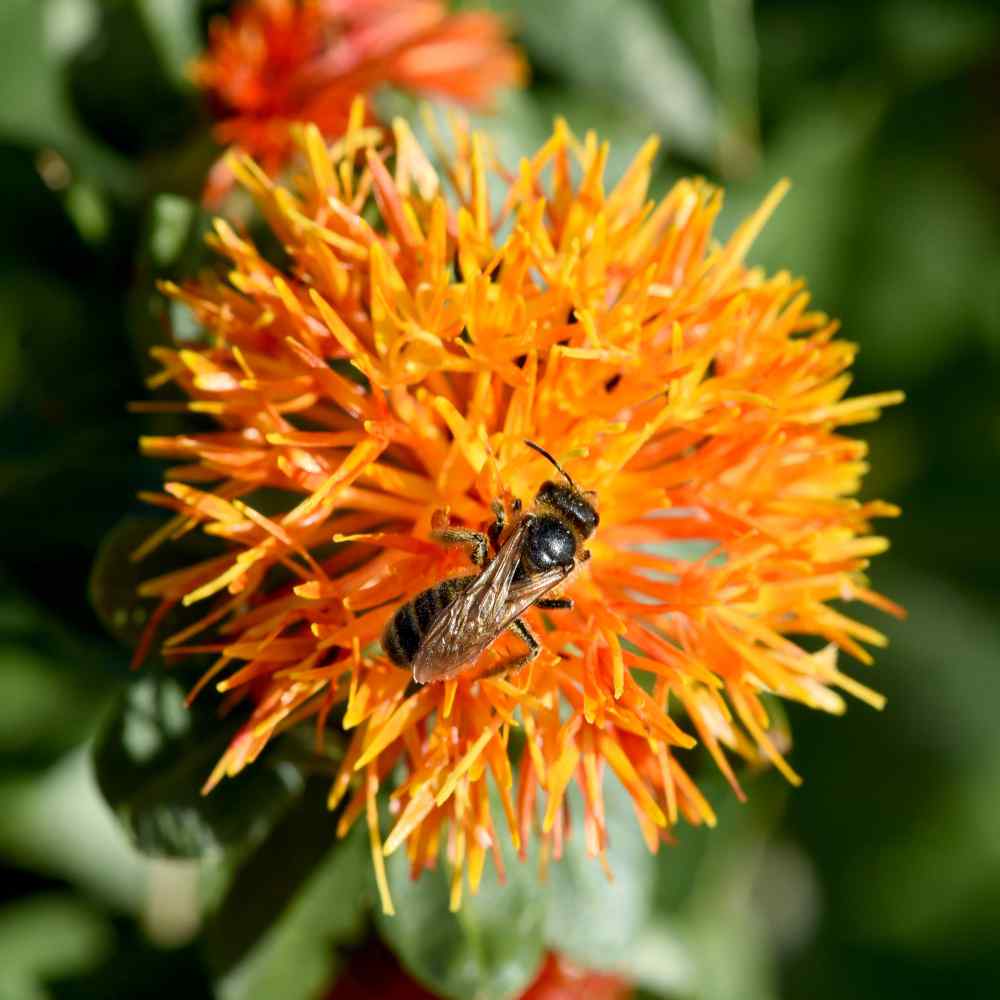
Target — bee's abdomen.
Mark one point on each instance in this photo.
(407, 627)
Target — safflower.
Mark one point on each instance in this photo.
(276, 62)
(394, 370)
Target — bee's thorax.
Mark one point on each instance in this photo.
(549, 543)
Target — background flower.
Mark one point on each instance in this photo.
(276, 62)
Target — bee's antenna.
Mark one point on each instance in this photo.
(541, 451)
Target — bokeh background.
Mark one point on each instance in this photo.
(880, 877)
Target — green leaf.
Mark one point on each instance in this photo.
(714, 887)
(931, 39)
(173, 243)
(54, 682)
(153, 758)
(69, 446)
(121, 87)
(722, 39)
(292, 900)
(694, 923)
(172, 247)
(950, 711)
(589, 918)
(735, 79)
(628, 55)
(906, 898)
(115, 576)
(42, 706)
(34, 110)
(10, 360)
(37, 811)
(941, 675)
(821, 147)
(49, 936)
(490, 949)
(173, 28)
(909, 312)
(492, 946)
(297, 956)
(170, 229)
(89, 212)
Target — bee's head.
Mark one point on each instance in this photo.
(566, 500)
(572, 505)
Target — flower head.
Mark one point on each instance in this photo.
(394, 370)
(276, 62)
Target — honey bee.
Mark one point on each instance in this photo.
(443, 630)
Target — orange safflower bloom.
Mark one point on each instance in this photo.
(275, 62)
(395, 369)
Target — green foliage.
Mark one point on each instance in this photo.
(152, 758)
(116, 576)
(173, 31)
(38, 38)
(53, 682)
(932, 39)
(297, 954)
(55, 825)
(279, 934)
(42, 710)
(46, 937)
(490, 949)
(591, 918)
(640, 64)
(493, 945)
(906, 293)
(909, 898)
(882, 878)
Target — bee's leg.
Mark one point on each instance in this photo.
(499, 521)
(475, 540)
(520, 628)
(496, 529)
(555, 603)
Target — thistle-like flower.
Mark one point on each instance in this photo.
(393, 371)
(277, 62)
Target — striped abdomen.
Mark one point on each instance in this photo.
(407, 627)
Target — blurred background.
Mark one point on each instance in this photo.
(880, 877)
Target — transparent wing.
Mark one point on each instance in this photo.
(524, 593)
(474, 619)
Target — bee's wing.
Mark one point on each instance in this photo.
(524, 593)
(474, 619)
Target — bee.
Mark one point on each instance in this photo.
(443, 630)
